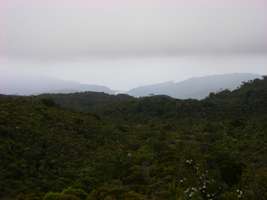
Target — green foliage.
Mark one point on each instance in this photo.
(114, 192)
(67, 194)
(48, 102)
(67, 197)
(93, 146)
(81, 194)
(52, 196)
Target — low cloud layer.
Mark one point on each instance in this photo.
(77, 29)
(127, 73)
(124, 43)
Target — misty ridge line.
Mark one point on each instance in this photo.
(196, 87)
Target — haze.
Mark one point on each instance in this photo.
(125, 44)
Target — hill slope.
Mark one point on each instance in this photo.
(21, 84)
(195, 88)
(148, 148)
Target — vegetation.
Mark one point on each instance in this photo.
(93, 146)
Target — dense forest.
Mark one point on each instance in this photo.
(94, 146)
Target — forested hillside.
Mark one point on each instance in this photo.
(93, 146)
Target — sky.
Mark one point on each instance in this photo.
(124, 43)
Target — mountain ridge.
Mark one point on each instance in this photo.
(23, 84)
(196, 87)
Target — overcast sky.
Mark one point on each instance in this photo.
(126, 43)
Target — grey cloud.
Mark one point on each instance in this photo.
(63, 32)
(124, 45)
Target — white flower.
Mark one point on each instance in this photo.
(191, 194)
(187, 190)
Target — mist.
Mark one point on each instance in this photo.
(128, 73)
(126, 44)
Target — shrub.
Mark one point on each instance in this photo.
(68, 197)
(49, 102)
(76, 192)
(59, 196)
(52, 196)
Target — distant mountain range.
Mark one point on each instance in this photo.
(195, 88)
(32, 85)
